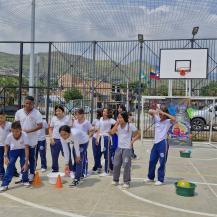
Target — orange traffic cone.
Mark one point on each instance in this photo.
(59, 182)
(37, 180)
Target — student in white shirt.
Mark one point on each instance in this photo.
(19, 147)
(42, 146)
(96, 147)
(104, 139)
(127, 135)
(5, 128)
(159, 152)
(57, 121)
(82, 124)
(31, 121)
(77, 140)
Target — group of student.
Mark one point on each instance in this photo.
(113, 136)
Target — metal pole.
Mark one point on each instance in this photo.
(140, 84)
(93, 77)
(48, 81)
(36, 80)
(211, 124)
(190, 81)
(127, 94)
(170, 89)
(20, 76)
(32, 50)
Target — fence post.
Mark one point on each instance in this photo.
(20, 76)
(48, 82)
(140, 83)
(93, 77)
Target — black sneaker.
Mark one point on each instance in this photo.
(74, 183)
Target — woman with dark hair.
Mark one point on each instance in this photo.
(120, 108)
(96, 147)
(104, 139)
(58, 120)
(127, 135)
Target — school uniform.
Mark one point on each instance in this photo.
(4, 131)
(29, 121)
(41, 146)
(77, 141)
(96, 148)
(56, 148)
(105, 141)
(123, 153)
(85, 126)
(17, 149)
(159, 151)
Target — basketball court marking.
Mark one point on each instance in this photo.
(203, 178)
(166, 206)
(199, 183)
(37, 206)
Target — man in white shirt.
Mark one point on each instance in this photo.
(31, 121)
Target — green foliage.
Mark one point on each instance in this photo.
(162, 90)
(72, 94)
(209, 90)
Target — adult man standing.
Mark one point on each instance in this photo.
(31, 121)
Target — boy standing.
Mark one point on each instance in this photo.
(19, 147)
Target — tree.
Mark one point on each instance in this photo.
(162, 90)
(72, 94)
(209, 90)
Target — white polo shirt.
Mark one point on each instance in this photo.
(16, 144)
(41, 132)
(96, 126)
(125, 135)
(85, 126)
(161, 129)
(4, 131)
(76, 138)
(29, 121)
(56, 123)
(105, 125)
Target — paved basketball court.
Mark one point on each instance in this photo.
(96, 197)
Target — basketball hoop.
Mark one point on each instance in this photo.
(182, 72)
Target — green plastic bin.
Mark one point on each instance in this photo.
(185, 192)
(185, 154)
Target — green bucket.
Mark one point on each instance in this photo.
(185, 192)
(185, 154)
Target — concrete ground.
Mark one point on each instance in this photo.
(97, 198)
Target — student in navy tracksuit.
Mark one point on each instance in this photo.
(18, 142)
(75, 141)
(96, 147)
(57, 121)
(159, 151)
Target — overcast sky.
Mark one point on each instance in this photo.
(69, 20)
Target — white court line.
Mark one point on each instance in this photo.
(203, 178)
(167, 206)
(27, 203)
(199, 183)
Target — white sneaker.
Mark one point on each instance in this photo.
(126, 186)
(43, 170)
(72, 175)
(158, 183)
(31, 177)
(115, 183)
(147, 180)
(104, 174)
(3, 188)
(27, 184)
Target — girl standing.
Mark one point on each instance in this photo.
(57, 121)
(127, 135)
(104, 139)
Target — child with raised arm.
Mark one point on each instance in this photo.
(127, 135)
(159, 152)
(18, 142)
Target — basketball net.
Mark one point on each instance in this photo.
(182, 72)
